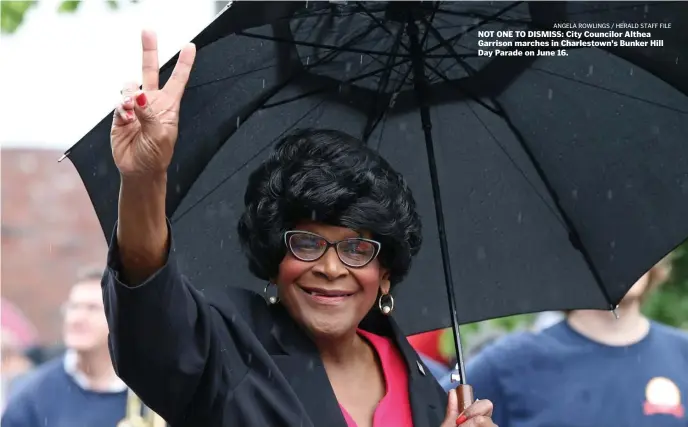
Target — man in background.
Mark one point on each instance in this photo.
(15, 363)
(79, 388)
(590, 369)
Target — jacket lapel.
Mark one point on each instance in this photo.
(301, 363)
(423, 387)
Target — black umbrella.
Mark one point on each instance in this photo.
(544, 183)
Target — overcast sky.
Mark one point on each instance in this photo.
(61, 73)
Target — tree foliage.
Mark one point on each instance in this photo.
(669, 304)
(13, 13)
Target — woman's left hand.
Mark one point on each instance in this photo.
(479, 414)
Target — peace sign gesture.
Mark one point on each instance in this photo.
(145, 124)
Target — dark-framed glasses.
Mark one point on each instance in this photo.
(355, 252)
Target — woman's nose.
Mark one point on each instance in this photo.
(331, 266)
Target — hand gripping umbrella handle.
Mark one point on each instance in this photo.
(464, 393)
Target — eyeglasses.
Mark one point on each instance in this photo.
(356, 252)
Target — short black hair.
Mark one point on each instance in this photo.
(331, 177)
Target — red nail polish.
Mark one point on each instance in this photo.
(141, 99)
(462, 419)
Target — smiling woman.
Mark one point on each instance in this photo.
(331, 227)
(323, 189)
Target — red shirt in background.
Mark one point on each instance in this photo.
(428, 344)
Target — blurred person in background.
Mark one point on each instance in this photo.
(546, 319)
(427, 345)
(36, 356)
(18, 335)
(79, 388)
(472, 348)
(15, 363)
(590, 369)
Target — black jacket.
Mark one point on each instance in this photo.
(236, 362)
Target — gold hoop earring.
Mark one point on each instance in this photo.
(269, 289)
(386, 304)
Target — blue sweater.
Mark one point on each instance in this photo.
(559, 378)
(51, 398)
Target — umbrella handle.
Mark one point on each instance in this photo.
(465, 394)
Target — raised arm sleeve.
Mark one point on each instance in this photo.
(168, 344)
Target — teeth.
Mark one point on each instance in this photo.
(318, 294)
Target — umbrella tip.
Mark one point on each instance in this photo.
(615, 313)
(64, 156)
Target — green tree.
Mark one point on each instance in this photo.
(12, 13)
(669, 304)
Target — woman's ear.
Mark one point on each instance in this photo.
(385, 284)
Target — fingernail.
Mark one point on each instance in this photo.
(141, 99)
(462, 419)
(130, 114)
(127, 99)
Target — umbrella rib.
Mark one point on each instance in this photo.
(332, 47)
(399, 35)
(470, 94)
(499, 111)
(614, 51)
(459, 60)
(384, 111)
(382, 117)
(475, 26)
(178, 217)
(383, 26)
(370, 127)
(448, 43)
(252, 107)
(614, 91)
(382, 132)
(233, 76)
(496, 111)
(501, 147)
(462, 62)
(374, 117)
(325, 89)
(552, 209)
(476, 14)
(615, 8)
(574, 235)
(329, 56)
(314, 45)
(563, 218)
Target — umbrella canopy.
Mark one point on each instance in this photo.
(562, 180)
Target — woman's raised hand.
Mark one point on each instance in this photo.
(479, 414)
(145, 124)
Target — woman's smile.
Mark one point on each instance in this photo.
(326, 296)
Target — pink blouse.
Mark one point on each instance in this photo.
(395, 408)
